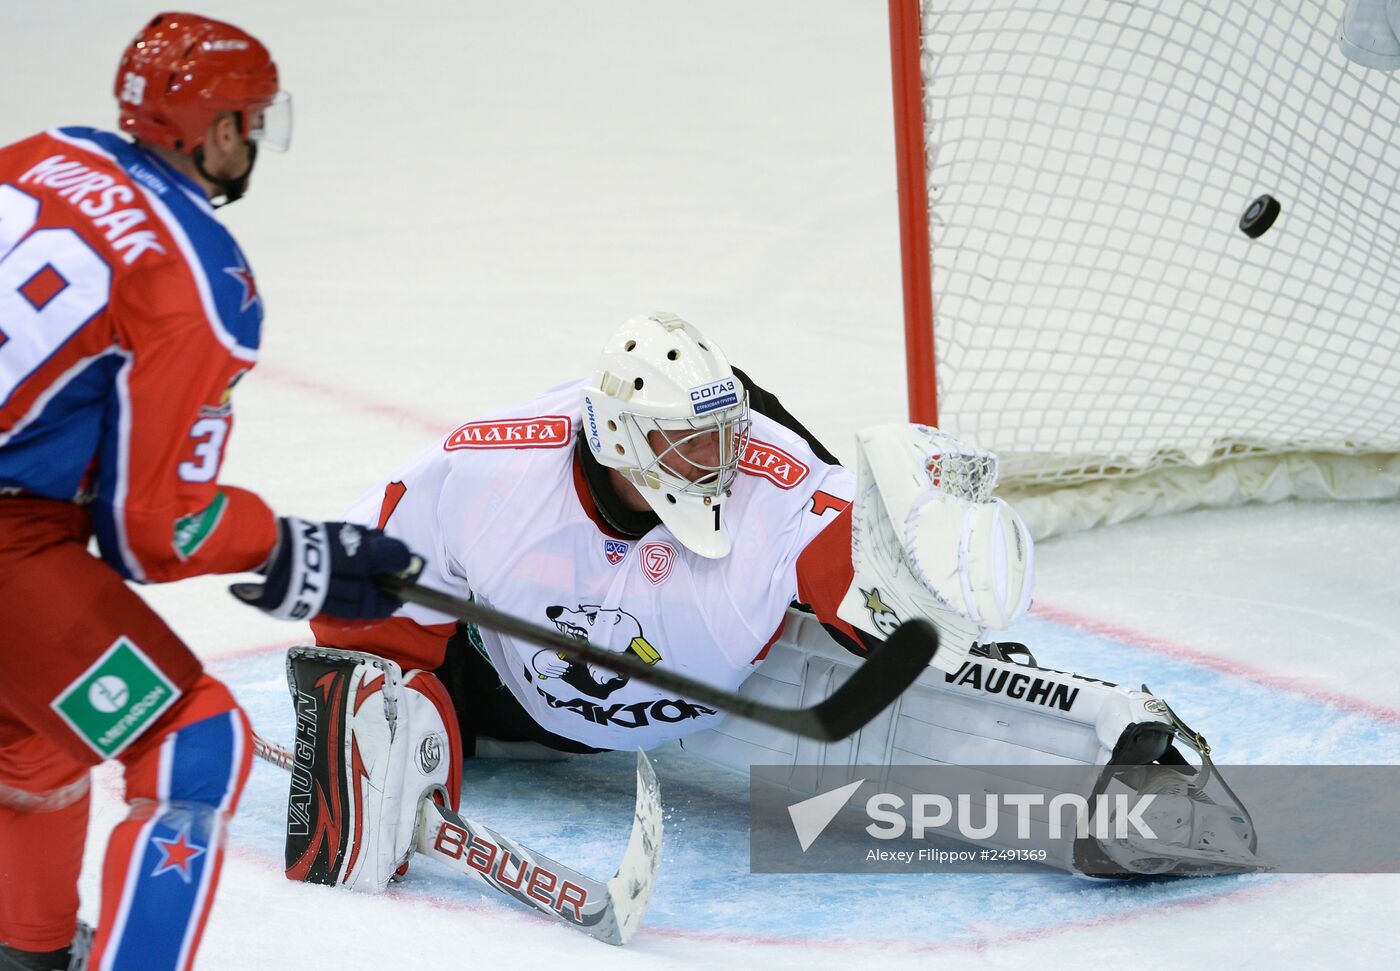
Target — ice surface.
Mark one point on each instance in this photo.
(478, 192)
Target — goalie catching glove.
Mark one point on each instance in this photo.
(328, 569)
(930, 540)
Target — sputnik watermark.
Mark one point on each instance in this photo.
(1091, 819)
(1118, 816)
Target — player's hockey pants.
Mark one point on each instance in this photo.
(68, 626)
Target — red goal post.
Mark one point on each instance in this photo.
(1078, 294)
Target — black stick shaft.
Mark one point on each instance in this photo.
(890, 669)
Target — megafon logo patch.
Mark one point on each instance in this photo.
(773, 464)
(116, 698)
(548, 431)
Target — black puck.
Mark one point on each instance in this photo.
(1260, 216)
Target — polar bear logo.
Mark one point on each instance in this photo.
(579, 623)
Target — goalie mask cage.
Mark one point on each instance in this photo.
(1079, 296)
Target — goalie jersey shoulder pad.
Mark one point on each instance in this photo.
(500, 509)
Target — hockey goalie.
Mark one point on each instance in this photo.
(670, 508)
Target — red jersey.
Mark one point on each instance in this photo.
(127, 314)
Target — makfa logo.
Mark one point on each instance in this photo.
(548, 431)
(773, 464)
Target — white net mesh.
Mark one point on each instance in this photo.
(1098, 311)
(956, 469)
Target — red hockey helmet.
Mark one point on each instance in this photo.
(183, 70)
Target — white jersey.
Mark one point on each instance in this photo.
(500, 510)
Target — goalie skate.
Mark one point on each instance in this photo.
(1200, 825)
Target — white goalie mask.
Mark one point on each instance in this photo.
(665, 409)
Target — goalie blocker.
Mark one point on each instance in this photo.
(373, 741)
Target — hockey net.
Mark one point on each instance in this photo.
(1099, 319)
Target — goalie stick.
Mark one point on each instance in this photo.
(609, 912)
(890, 668)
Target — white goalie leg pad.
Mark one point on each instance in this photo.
(394, 740)
(929, 540)
(987, 712)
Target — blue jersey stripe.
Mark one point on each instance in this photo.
(202, 768)
(60, 424)
(166, 895)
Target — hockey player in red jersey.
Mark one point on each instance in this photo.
(127, 316)
(669, 508)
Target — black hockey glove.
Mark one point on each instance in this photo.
(330, 569)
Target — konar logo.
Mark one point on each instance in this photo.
(811, 817)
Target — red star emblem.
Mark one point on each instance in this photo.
(243, 275)
(176, 854)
